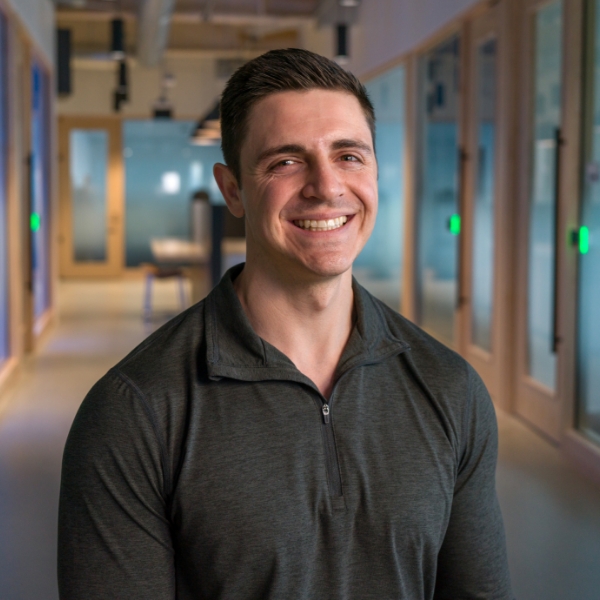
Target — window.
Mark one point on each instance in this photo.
(162, 172)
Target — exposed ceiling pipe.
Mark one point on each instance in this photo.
(153, 30)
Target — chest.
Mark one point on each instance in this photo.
(260, 464)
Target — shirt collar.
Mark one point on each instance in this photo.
(234, 350)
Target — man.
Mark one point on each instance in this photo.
(289, 437)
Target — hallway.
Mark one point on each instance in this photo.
(552, 514)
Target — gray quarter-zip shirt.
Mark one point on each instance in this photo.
(206, 466)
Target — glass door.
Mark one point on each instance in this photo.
(379, 266)
(537, 338)
(91, 197)
(438, 214)
(588, 346)
(484, 266)
(40, 214)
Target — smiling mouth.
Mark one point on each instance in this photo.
(322, 224)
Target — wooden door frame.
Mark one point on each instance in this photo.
(494, 366)
(114, 265)
(411, 299)
(540, 406)
(577, 447)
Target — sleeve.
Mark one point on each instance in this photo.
(472, 562)
(113, 533)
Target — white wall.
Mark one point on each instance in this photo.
(387, 29)
(37, 16)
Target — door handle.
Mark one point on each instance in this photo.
(456, 227)
(558, 141)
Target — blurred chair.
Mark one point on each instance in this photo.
(157, 272)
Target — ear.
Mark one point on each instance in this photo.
(229, 188)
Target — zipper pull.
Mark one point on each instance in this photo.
(326, 413)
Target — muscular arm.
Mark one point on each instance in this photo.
(114, 540)
(472, 561)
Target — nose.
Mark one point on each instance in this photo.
(324, 181)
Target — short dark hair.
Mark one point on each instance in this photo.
(276, 71)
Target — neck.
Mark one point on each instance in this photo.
(309, 322)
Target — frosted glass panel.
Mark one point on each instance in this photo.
(547, 118)
(378, 267)
(588, 363)
(162, 171)
(4, 347)
(88, 171)
(438, 224)
(40, 191)
(483, 222)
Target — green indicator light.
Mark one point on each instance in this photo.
(454, 224)
(34, 221)
(584, 240)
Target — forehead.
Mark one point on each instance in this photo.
(306, 117)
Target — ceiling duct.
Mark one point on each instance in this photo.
(153, 30)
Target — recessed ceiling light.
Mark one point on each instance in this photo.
(349, 3)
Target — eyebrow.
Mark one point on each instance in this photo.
(342, 144)
(349, 143)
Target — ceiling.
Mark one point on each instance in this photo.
(156, 27)
(202, 8)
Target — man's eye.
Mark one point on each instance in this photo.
(286, 162)
(349, 158)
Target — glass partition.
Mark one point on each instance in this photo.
(40, 190)
(543, 197)
(588, 360)
(162, 172)
(88, 175)
(483, 218)
(4, 289)
(379, 266)
(438, 189)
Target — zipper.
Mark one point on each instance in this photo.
(331, 457)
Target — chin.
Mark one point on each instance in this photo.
(328, 268)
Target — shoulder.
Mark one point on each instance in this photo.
(140, 406)
(168, 352)
(449, 385)
(436, 363)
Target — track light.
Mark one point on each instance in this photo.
(207, 131)
(117, 39)
(341, 54)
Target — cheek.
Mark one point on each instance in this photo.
(264, 213)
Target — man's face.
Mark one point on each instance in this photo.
(308, 182)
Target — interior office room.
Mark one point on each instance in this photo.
(487, 236)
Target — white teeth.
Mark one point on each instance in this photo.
(321, 225)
